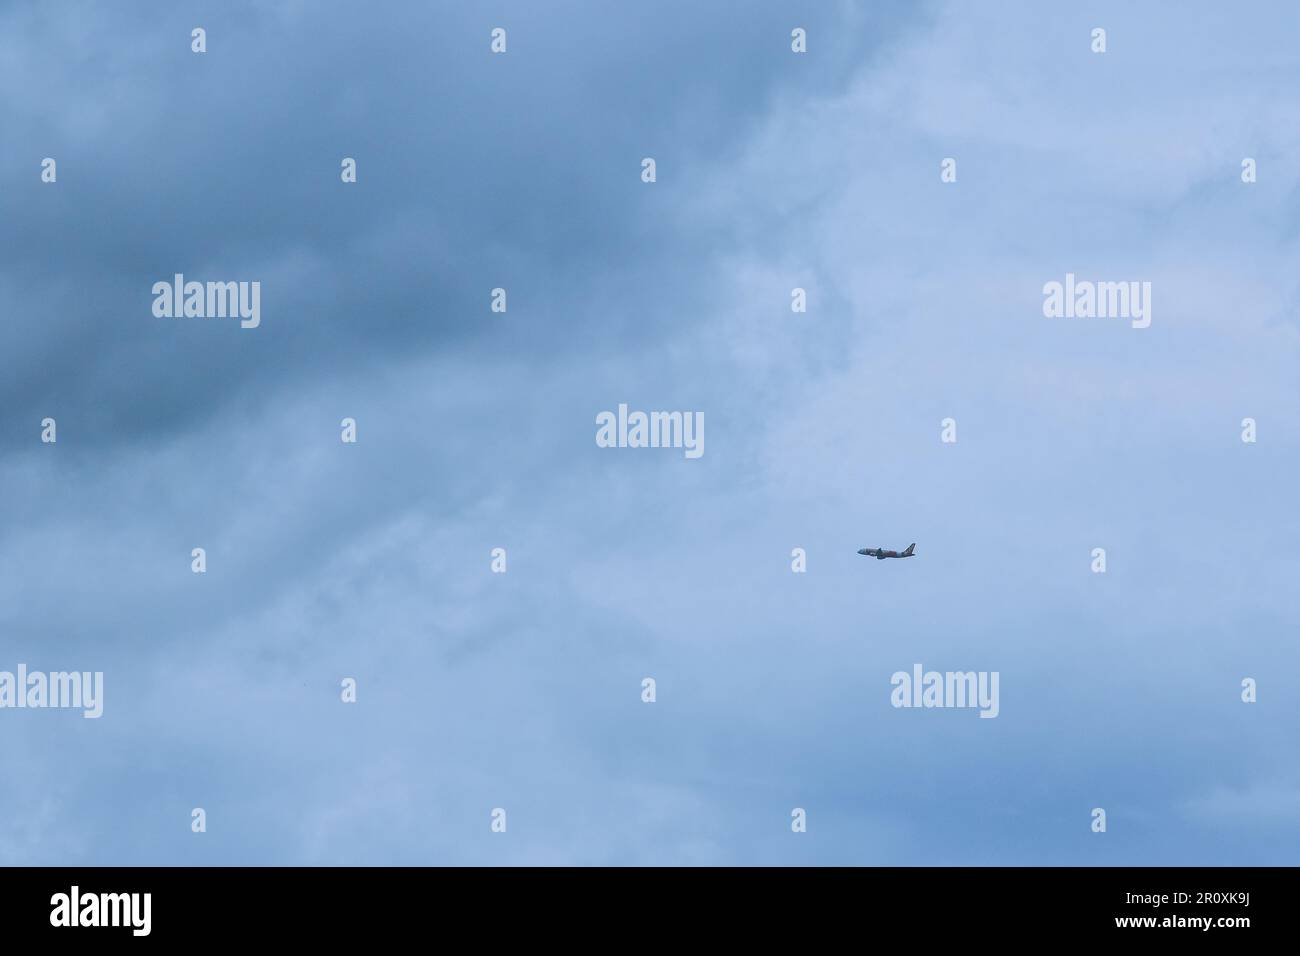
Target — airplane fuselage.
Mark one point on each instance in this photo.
(880, 553)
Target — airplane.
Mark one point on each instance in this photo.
(880, 553)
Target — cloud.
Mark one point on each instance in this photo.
(476, 429)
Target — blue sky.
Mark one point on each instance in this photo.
(476, 431)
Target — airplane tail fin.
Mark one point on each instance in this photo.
(911, 549)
